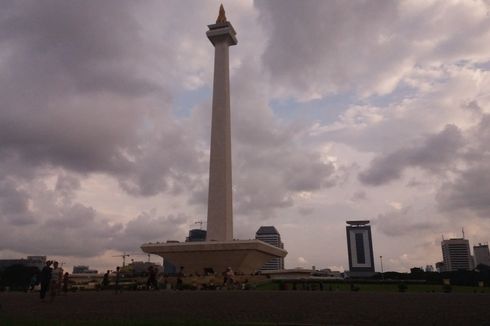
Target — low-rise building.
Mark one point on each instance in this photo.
(83, 269)
(31, 261)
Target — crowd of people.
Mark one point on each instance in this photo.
(52, 281)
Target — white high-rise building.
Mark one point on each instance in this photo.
(456, 254)
(482, 254)
(270, 235)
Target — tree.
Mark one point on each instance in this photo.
(17, 277)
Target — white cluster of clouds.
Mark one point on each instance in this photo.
(105, 118)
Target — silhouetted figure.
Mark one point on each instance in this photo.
(152, 278)
(56, 278)
(118, 278)
(44, 279)
(225, 278)
(66, 280)
(105, 281)
(34, 281)
(179, 278)
(230, 278)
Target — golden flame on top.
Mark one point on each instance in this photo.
(221, 17)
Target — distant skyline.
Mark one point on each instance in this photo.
(375, 110)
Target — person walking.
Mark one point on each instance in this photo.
(55, 283)
(45, 279)
(152, 279)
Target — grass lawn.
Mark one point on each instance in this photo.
(374, 287)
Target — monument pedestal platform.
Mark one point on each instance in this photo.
(243, 256)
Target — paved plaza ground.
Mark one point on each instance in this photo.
(250, 307)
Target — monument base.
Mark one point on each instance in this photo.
(243, 256)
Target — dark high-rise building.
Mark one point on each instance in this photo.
(270, 235)
(196, 235)
(360, 248)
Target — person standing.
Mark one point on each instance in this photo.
(66, 280)
(45, 279)
(34, 281)
(230, 278)
(180, 277)
(118, 276)
(152, 278)
(105, 281)
(55, 283)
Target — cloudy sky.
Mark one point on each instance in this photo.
(341, 110)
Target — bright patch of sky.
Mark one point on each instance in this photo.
(328, 109)
(186, 101)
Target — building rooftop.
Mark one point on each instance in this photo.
(359, 222)
(267, 230)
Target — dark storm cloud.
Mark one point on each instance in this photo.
(79, 93)
(463, 157)
(398, 223)
(147, 227)
(76, 45)
(470, 190)
(56, 226)
(66, 185)
(270, 163)
(14, 204)
(435, 153)
(170, 162)
(318, 46)
(66, 70)
(359, 196)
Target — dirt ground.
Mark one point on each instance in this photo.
(276, 307)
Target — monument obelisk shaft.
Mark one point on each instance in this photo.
(220, 196)
(220, 250)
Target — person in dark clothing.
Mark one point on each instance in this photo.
(44, 279)
(105, 281)
(34, 281)
(152, 278)
(118, 276)
(66, 280)
(179, 279)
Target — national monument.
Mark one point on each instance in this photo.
(220, 250)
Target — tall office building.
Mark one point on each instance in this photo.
(360, 249)
(270, 235)
(482, 254)
(456, 255)
(196, 235)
